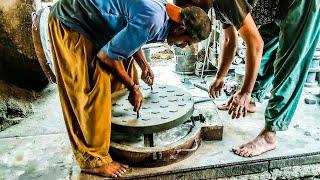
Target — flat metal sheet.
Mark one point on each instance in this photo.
(164, 107)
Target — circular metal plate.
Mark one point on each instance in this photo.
(164, 108)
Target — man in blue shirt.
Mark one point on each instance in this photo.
(93, 44)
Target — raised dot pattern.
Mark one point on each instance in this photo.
(162, 104)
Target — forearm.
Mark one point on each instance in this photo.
(253, 57)
(117, 69)
(254, 45)
(140, 59)
(229, 49)
(227, 56)
(146, 72)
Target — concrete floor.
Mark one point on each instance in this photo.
(38, 147)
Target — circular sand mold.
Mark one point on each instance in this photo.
(18, 61)
(163, 108)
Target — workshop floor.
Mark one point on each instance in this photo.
(38, 147)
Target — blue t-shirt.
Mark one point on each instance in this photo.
(118, 27)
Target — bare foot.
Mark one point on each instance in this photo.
(114, 169)
(225, 107)
(265, 141)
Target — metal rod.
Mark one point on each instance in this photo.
(148, 140)
(201, 87)
(203, 100)
(206, 55)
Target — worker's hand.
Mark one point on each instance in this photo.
(135, 98)
(147, 75)
(238, 104)
(216, 87)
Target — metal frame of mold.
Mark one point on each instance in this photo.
(168, 154)
(149, 155)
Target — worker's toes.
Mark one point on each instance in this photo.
(118, 173)
(124, 169)
(113, 174)
(236, 149)
(124, 166)
(243, 151)
(248, 153)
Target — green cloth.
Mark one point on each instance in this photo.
(288, 52)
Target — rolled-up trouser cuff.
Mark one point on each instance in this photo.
(271, 127)
(91, 160)
(253, 99)
(257, 97)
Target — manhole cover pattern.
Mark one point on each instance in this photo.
(162, 105)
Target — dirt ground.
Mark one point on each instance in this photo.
(15, 104)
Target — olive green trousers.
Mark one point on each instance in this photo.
(85, 90)
(289, 46)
